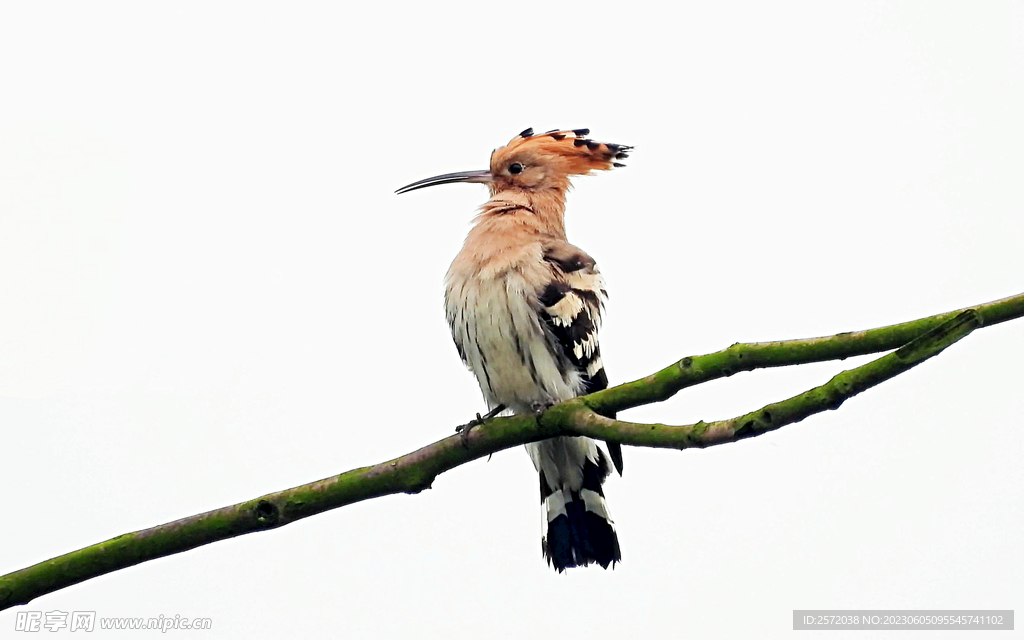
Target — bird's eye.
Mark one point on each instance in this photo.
(515, 168)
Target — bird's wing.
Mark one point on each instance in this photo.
(570, 306)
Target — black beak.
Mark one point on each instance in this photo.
(448, 178)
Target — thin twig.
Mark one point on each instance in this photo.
(694, 370)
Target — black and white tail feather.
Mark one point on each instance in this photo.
(578, 527)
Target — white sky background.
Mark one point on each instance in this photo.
(209, 292)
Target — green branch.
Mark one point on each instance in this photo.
(575, 417)
(691, 371)
(915, 342)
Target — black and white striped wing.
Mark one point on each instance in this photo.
(571, 306)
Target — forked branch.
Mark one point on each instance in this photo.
(914, 342)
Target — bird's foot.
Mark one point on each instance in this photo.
(463, 429)
(540, 407)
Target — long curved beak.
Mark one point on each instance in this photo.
(448, 178)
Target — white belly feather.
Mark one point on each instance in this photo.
(504, 343)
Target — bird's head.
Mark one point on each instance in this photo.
(538, 162)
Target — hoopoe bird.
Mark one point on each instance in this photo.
(524, 307)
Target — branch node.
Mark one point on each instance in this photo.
(267, 513)
(747, 429)
(422, 485)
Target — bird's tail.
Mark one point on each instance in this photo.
(578, 527)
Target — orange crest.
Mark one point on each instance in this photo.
(571, 151)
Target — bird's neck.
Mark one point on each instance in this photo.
(533, 212)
